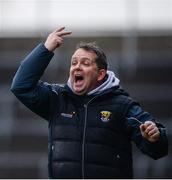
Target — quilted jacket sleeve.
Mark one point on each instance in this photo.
(156, 149)
(26, 85)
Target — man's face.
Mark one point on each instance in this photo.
(84, 73)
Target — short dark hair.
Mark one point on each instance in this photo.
(101, 59)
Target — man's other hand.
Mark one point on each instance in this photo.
(150, 131)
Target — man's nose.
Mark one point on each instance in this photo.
(78, 66)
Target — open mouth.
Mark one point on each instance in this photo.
(78, 79)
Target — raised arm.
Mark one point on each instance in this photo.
(26, 85)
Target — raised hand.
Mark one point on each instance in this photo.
(55, 39)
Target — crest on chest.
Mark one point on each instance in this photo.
(105, 116)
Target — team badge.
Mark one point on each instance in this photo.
(105, 115)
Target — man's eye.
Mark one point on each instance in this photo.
(86, 63)
(73, 63)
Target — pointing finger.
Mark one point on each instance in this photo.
(59, 29)
(63, 33)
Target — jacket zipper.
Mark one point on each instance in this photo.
(84, 134)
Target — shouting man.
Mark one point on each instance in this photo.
(92, 120)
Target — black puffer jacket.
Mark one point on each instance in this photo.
(90, 136)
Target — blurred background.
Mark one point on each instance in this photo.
(137, 38)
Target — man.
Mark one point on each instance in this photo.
(92, 121)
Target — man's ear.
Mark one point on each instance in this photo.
(101, 74)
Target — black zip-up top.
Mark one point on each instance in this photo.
(89, 136)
